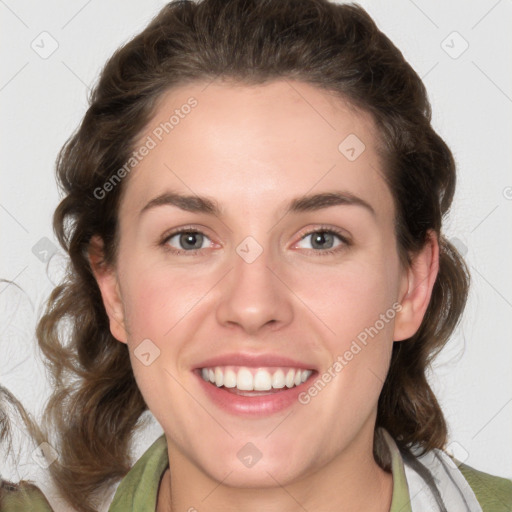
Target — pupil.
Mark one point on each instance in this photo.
(190, 237)
(321, 236)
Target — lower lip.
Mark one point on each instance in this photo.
(257, 405)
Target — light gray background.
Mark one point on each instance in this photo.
(43, 100)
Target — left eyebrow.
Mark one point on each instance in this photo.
(306, 203)
(322, 200)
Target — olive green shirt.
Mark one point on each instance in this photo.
(138, 490)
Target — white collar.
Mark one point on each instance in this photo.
(435, 481)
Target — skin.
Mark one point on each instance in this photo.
(253, 149)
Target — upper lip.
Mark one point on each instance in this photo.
(253, 360)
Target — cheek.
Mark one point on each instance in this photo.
(157, 301)
(161, 307)
(158, 306)
(351, 298)
(357, 305)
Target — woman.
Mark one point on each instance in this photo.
(284, 352)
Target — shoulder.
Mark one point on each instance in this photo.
(22, 497)
(437, 477)
(494, 493)
(138, 490)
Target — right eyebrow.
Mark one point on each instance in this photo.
(195, 204)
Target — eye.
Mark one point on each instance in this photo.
(324, 238)
(188, 241)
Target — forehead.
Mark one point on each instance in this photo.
(247, 144)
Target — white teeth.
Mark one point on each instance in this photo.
(251, 379)
(229, 379)
(262, 381)
(290, 378)
(219, 377)
(278, 379)
(244, 380)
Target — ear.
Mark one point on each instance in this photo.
(108, 284)
(416, 289)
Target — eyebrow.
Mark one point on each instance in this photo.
(305, 203)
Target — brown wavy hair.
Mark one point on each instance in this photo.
(96, 405)
(10, 408)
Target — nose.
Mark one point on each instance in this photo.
(254, 295)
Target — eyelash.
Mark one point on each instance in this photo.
(321, 229)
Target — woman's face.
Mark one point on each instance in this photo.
(271, 281)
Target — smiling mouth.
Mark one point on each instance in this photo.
(248, 381)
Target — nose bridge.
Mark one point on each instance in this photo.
(254, 296)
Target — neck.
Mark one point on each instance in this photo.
(351, 481)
